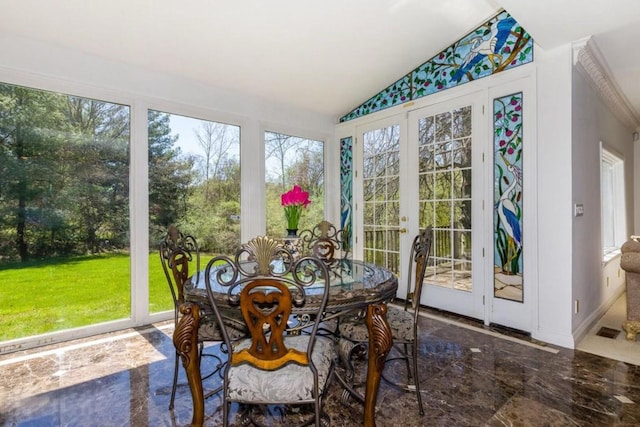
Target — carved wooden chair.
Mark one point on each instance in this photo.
(403, 321)
(326, 242)
(272, 367)
(177, 253)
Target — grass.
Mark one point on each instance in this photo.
(62, 293)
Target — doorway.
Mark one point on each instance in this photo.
(435, 165)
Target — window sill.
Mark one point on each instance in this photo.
(610, 256)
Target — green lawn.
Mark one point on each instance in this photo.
(56, 294)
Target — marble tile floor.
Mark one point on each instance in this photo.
(470, 377)
(618, 348)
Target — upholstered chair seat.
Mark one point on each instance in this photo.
(292, 383)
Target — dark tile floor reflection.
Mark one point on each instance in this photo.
(470, 377)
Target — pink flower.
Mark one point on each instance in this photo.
(294, 201)
(509, 132)
(510, 150)
(502, 143)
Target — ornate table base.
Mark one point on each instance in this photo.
(380, 342)
(185, 339)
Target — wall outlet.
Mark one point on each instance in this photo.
(576, 307)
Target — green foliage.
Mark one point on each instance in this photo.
(170, 178)
(65, 174)
(63, 293)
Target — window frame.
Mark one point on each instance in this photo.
(252, 178)
(613, 222)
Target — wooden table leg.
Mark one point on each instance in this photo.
(380, 342)
(185, 339)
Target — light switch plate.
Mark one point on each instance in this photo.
(578, 209)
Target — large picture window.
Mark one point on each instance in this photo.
(194, 183)
(291, 160)
(64, 203)
(71, 245)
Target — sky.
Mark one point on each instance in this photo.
(188, 142)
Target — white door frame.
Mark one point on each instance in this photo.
(502, 311)
(523, 80)
(358, 193)
(462, 302)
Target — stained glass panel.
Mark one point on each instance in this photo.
(507, 218)
(495, 46)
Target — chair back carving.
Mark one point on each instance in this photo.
(177, 251)
(326, 242)
(420, 250)
(266, 289)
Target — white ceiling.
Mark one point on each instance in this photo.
(324, 55)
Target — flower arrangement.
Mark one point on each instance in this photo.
(294, 201)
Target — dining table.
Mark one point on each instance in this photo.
(356, 286)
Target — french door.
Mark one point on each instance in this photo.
(425, 168)
(377, 187)
(445, 144)
(457, 166)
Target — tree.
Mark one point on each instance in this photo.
(99, 144)
(277, 146)
(171, 177)
(297, 161)
(64, 174)
(216, 141)
(31, 129)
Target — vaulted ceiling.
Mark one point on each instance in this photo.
(324, 55)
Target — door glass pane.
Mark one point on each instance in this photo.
(381, 182)
(444, 188)
(64, 198)
(194, 183)
(289, 161)
(508, 197)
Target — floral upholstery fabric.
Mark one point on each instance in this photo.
(400, 321)
(208, 329)
(290, 383)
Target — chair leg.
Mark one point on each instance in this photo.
(408, 363)
(175, 381)
(416, 377)
(413, 378)
(225, 410)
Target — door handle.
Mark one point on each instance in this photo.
(403, 230)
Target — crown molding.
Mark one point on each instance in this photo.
(590, 61)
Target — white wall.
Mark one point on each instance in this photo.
(554, 210)
(636, 182)
(596, 286)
